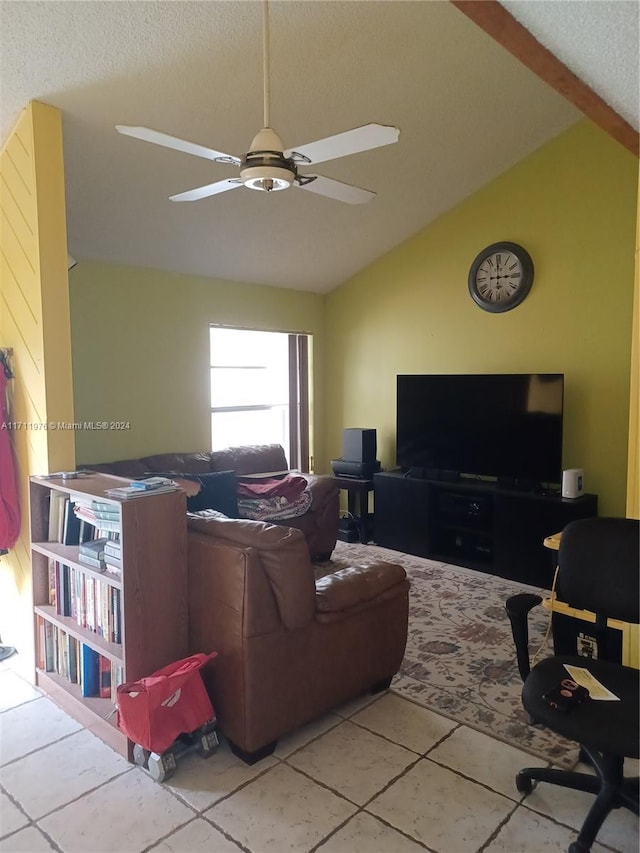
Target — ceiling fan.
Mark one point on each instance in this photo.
(268, 166)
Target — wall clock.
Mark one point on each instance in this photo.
(501, 277)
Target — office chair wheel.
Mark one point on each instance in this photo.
(576, 847)
(524, 784)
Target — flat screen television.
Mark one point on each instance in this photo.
(507, 426)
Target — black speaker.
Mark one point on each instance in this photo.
(359, 445)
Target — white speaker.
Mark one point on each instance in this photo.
(572, 485)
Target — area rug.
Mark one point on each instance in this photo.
(460, 658)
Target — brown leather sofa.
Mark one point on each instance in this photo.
(319, 524)
(290, 647)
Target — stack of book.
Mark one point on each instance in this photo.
(113, 556)
(139, 488)
(92, 553)
(102, 515)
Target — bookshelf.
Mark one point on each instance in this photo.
(132, 621)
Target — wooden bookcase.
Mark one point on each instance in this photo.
(153, 593)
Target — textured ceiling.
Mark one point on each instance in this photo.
(467, 110)
(599, 41)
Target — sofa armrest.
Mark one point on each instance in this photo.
(356, 585)
(323, 488)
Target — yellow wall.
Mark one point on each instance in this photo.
(34, 321)
(572, 205)
(633, 481)
(141, 353)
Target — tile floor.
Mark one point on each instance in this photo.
(380, 775)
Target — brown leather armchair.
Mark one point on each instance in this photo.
(289, 647)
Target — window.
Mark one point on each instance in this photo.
(259, 391)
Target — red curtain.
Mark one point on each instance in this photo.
(9, 504)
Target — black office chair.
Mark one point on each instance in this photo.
(599, 567)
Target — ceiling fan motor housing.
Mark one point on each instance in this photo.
(265, 167)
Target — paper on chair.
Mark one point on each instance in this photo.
(596, 689)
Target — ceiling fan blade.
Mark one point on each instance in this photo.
(350, 142)
(210, 189)
(148, 135)
(334, 189)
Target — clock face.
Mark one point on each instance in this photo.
(500, 277)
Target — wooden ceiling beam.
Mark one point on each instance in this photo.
(500, 24)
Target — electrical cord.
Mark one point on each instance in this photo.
(543, 643)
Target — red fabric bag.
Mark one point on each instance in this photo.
(155, 710)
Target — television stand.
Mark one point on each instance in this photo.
(473, 523)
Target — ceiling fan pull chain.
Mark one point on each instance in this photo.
(265, 62)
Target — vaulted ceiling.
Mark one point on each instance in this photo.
(467, 110)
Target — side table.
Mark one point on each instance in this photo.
(358, 503)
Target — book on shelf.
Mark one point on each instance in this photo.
(116, 599)
(84, 513)
(113, 548)
(40, 658)
(57, 502)
(93, 547)
(104, 669)
(73, 673)
(104, 506)
(70, 525)
(65, 588)
(90, 671)
(117, 678)
(127, 492)
(52, 572)
(95, 562)
(151, 483)
(49, 646)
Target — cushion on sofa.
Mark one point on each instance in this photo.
(178, 463)
(250, 459)
(356, 585)
(217, 491)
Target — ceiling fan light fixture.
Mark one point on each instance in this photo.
(267, 178)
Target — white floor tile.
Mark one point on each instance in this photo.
(353, 761)
(15, 690)
(126, 815)
(484, 759)
(366, 834)
(300, 737)
(196, 837)
(77, 764)
(281, 810)
(620, 830)
(11, 818)
(441, 809)
(527, 832)
(349, 708)
(29, 840)
(404, 722)
(201, 782)
(31, 726)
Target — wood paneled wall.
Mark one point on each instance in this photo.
(34, 322)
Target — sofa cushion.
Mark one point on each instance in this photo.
(179, 463)
(132, 469)
(250, 459)
(217, 491)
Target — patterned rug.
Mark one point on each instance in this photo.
(460, 657)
